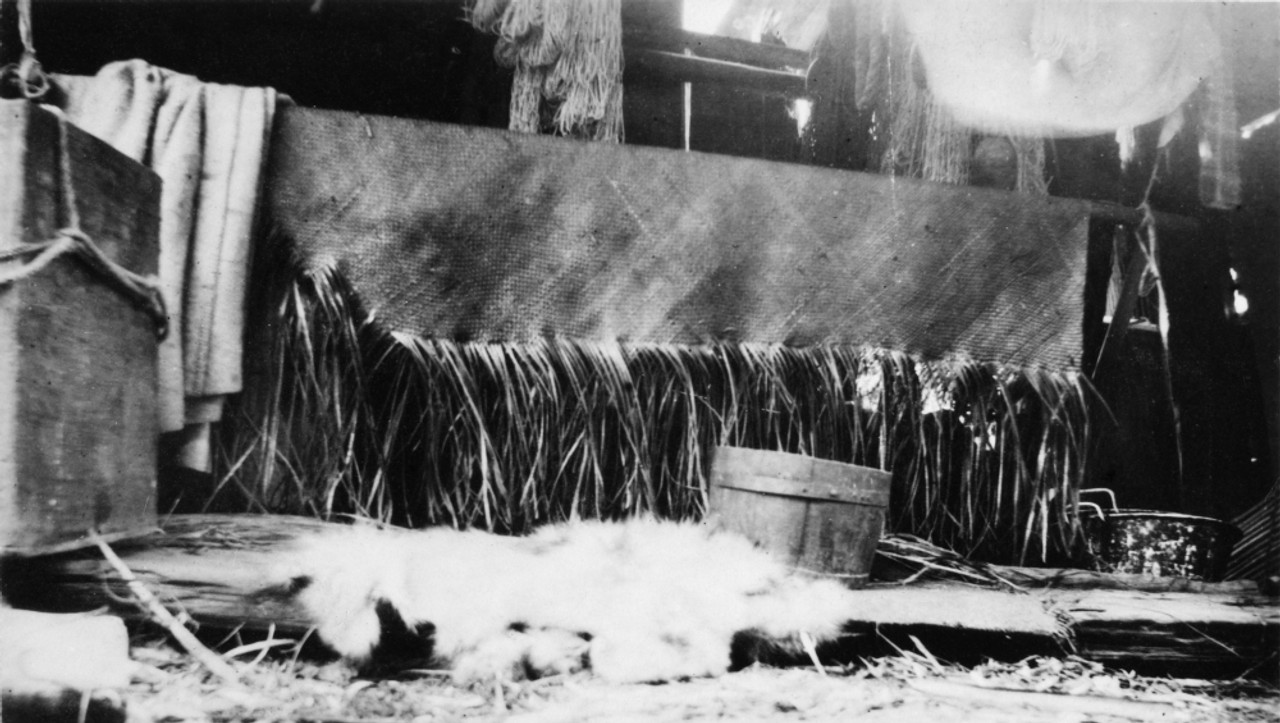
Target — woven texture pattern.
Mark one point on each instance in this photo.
(481, 235)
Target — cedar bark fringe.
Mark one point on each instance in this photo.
(346, 418)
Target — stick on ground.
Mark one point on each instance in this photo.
(185, 638)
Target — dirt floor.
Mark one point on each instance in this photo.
(277, 686)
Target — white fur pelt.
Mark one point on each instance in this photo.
(635, 601)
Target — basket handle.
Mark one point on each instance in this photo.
(1103, 490)
(1097, 508)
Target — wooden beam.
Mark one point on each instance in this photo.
(1181, 634)
(714, 47)
(693, 69)
(1075, 579)
(207, 566)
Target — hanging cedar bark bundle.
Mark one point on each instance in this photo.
(915, 133)
(567, 56)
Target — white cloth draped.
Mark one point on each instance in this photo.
(208, 144)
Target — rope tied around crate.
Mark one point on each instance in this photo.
(143, 291)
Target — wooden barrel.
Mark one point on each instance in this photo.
(818, 516)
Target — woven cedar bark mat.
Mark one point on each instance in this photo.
(475, 234)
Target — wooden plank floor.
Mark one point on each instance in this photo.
(1177, 633)
(210, 566)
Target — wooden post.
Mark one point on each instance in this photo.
(838, 135)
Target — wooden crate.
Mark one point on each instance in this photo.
(78, 424)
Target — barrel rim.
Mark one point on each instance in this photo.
(752, 451)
